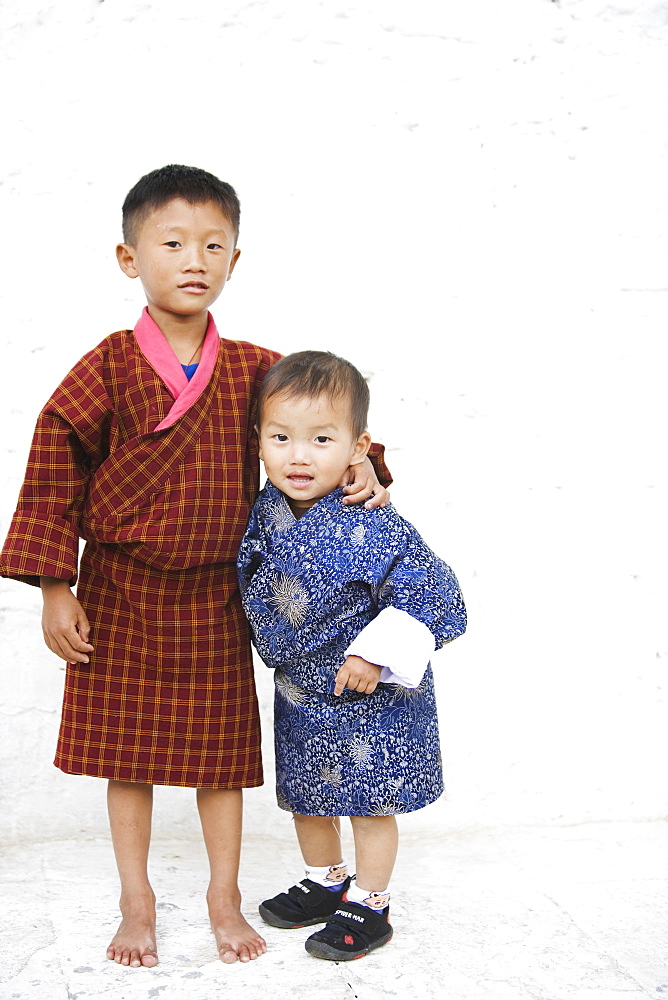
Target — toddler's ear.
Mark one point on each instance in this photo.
(361, 448)
(256, 431)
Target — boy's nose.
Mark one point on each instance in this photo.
(195, 261)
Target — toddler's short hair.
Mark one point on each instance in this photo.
(309, 374)
(160, 186)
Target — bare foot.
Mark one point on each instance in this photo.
(235, 937)
(134, 942)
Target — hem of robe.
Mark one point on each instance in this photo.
(112, 774)
(283, 804)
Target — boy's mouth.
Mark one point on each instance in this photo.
(196, 286)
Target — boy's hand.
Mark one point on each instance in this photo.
(64, 622)
(358, 675)
(360, 483)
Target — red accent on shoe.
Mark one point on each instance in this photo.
(348, 939)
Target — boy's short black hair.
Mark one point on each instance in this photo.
(176, 181)
(309, 374)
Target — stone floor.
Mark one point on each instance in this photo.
(533, 913)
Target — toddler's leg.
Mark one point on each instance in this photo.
(319, 839)
(362, 922)
(376, 843)
(130, 807)
(316, 897)
(220, 811)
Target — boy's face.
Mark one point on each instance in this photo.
(183, 254)
(307, 445)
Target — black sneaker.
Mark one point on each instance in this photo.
(353, 932)
(304, 904)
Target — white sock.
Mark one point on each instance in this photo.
(374, 899)
(330, 877)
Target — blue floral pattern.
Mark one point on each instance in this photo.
(309, 586)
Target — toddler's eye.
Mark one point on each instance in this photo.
(280, 437)
(322, 439)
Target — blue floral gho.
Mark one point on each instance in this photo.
(309, 586)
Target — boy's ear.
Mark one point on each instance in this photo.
(235, 258)
(361, 448)
(125, 255)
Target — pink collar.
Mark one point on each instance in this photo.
(155, 348)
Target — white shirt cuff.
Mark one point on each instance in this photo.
(398, 643)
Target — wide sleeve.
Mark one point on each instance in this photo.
(420, 608)
(398, 643)
(70, 439)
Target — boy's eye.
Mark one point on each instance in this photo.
(172, 244)
(214, 246)
(322, 439)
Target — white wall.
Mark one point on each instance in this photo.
(467, 199)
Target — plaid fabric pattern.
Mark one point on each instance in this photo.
(168, 696)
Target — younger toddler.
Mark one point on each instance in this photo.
(347, 604)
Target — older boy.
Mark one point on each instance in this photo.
(145, 451)
(347, 604)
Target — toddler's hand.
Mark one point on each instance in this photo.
(358, 675)
(64, 622)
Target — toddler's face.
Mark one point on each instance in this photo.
(307, 445)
